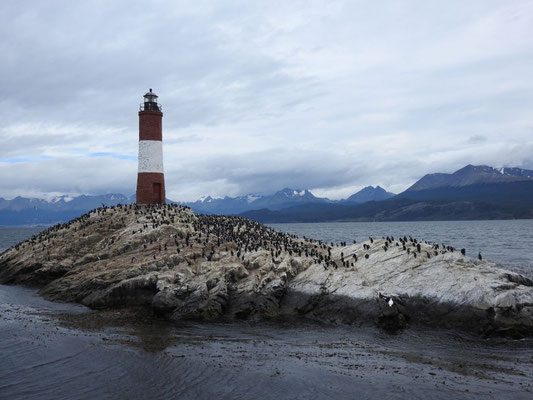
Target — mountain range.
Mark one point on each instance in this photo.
(33, 211)
(473, 192)
(280, 200)
(471, 175)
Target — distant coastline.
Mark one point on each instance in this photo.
(470, 193)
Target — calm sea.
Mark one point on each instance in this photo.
(13, 235)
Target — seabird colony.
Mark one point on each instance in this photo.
(205, 236)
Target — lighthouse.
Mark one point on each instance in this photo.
(150, 177)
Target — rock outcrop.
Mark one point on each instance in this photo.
(185, 266)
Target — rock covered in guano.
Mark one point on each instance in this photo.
(187, 266)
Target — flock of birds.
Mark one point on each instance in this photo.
(204, 236)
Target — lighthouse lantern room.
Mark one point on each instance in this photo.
(150, 177)
(150, 102)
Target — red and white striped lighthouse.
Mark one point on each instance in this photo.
(150, 178)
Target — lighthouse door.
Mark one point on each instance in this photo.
(157, 192)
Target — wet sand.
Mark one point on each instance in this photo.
(53, 350)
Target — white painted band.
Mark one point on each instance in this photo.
(150, 156)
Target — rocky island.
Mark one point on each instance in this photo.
(166, 259)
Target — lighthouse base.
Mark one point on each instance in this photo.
(150, 188)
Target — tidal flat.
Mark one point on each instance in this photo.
(58, 350)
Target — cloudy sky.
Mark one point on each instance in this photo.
(262, 95)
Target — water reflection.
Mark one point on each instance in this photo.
(68, 352)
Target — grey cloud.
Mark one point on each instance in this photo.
(476, 139)
(260, 95)
(72, 175)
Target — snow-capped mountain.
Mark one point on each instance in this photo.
(235, 205)
(65, 202)
(286, 198)
(30, 211)
(472, 174)
(280, 200)
(224, 205)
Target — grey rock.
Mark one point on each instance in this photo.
(160, 258)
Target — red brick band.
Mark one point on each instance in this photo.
(150, 125)
(150, 188)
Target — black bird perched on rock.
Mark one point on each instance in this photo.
(479, 256)
(463, 252)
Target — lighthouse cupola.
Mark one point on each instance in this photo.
(150, 102)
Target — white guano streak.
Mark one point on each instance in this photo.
(150, 156)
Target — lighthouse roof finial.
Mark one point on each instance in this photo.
(150, 95)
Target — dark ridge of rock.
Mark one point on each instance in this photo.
(183, 266)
